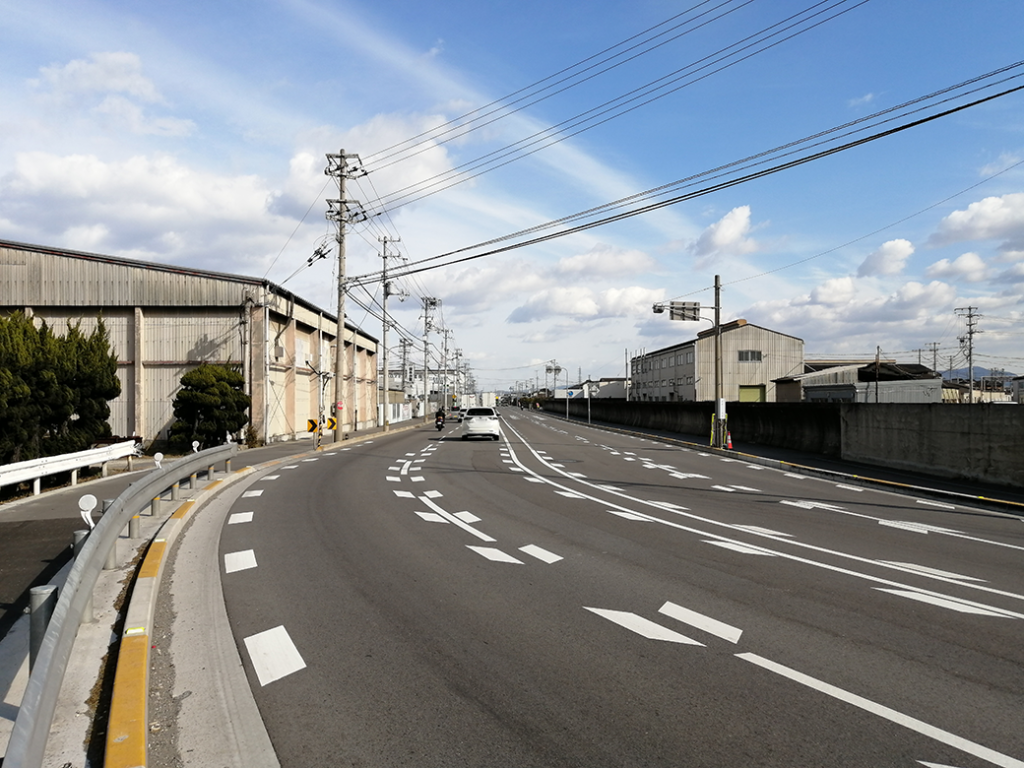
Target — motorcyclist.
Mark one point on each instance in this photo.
(439, 414)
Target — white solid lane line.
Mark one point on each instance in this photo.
(273, 655)
(945, 737)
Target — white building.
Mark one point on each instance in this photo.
(752, 357)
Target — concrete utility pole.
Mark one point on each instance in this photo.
(340, 167)
(718, 440)
(385, 421)
(428, 304)
(967, 340)
(934, 346)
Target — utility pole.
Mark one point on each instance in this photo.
(428, 304)
(340, 167)
(718, 440)
(967, 340)
(385, 420)
(934, 346)
(405, 363)
(444, 365)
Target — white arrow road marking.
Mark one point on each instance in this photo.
(273, 655)
(945, 737)
(643, 627)
(745, 549)
(540, 553)
(702, 622)
(952, 603)
(240, 517)
(239, 561)
(495, 554)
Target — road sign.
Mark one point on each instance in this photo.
(332, 423)
(311, 425)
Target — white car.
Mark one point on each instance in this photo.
(481, 422)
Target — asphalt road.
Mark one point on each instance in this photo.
(570, 597)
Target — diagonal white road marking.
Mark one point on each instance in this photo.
(643, 627)
(702, 622)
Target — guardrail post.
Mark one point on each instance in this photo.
(134, 527)
(210, 472)
(37, 486)
(227, 467)
(192, 481)
(154, 508)
(175, 491)
(111, 562)
(79, 542)
(74, 477)
(41, 602)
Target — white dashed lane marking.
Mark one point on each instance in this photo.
(240, 517)
(239, 561)
(273, 655)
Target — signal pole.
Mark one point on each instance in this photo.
(339, 167)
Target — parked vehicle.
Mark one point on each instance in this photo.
(481, 422)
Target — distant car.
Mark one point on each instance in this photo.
(462, 413)
(481, 422)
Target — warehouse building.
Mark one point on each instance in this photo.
(164, 320)
(752, 359)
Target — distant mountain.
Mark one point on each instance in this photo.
(979, 373)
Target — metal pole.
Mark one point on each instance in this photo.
(79, 538)
(41, 602)
(111, 562)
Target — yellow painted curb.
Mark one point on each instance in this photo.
(150, 568)
(182, 510)
(126, 729)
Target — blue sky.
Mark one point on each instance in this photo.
(196, 133)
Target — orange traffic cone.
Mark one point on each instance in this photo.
(728, 440)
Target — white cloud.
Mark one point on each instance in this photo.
(838, 291)
(122, 113)
(604, 261)
(586, 304)
(112, 72)
(861, 100)
(729, 236)
(887, 260)
(150, 207)
(993, 218)
(969, 267)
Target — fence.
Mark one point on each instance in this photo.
(36, 469)
(27, 745)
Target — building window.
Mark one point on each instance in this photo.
(689, 356)
(750, 355)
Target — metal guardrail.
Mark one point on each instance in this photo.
(35, 469)
(27, 745)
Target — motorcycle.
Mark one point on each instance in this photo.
(439, 423)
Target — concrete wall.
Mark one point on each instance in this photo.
(983, 442)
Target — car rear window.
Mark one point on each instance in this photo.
(480, 412)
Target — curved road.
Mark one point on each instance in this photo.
(571, 597)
